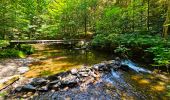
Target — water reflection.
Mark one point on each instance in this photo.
(55, 59)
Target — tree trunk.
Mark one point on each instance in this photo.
(167, 21)
(148, 15)
(85, 20)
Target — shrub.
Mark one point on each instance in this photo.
(11, 53)
(3, 43)
(121, 43)
(27, 49)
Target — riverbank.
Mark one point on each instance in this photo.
(11, 74)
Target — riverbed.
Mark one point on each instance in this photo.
(136, 83)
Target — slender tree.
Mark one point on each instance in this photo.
(167, 21)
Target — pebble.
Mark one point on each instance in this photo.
(23, 69)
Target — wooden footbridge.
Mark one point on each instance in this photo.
(72, 41)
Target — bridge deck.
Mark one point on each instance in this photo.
(46, 41)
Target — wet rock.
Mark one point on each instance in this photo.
(39, 81)
(96, 67)
(125, 67)
(115, 64)
(53, 84)
(56, 86)
(74, 71)
(44, 88)
(70, 79)
(18, 89)
(28, 87)
(83, 74)
(23, 69)
(84, 69)
(117, 61)
(99, 66)
(111, 62)
(93, 74)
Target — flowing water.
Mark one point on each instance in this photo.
(139, 82)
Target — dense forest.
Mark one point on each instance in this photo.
(52, 19)
(127, 24)
(130, 29)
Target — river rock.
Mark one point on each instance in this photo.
(28, 87)
(69, 79)
(117, 61)
(23, 69)
(99, 66)
(93, 74)
(56, 86)
(74, 71)
(111, 62)
(83, 74)
(18, 89)
(44, 88)
(53, 84)
(85, 69)
(39, 81)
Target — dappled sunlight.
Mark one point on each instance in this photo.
(158, 88)
(52, 67)
(151, 84)
(144, 81)
(136, 77)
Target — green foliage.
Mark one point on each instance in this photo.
(168, 93)
(20, 52)
(11, 53)
(161, 55)
(122, 43)
(3, 43)
(100, 40)
(129, 40)
(121, 50)
(27, 49)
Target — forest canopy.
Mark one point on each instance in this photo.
(56, 19)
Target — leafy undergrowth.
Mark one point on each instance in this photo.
(126, 44)
(3, 43)
(16, 51)
(11, 53)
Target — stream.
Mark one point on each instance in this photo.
(132, 83)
